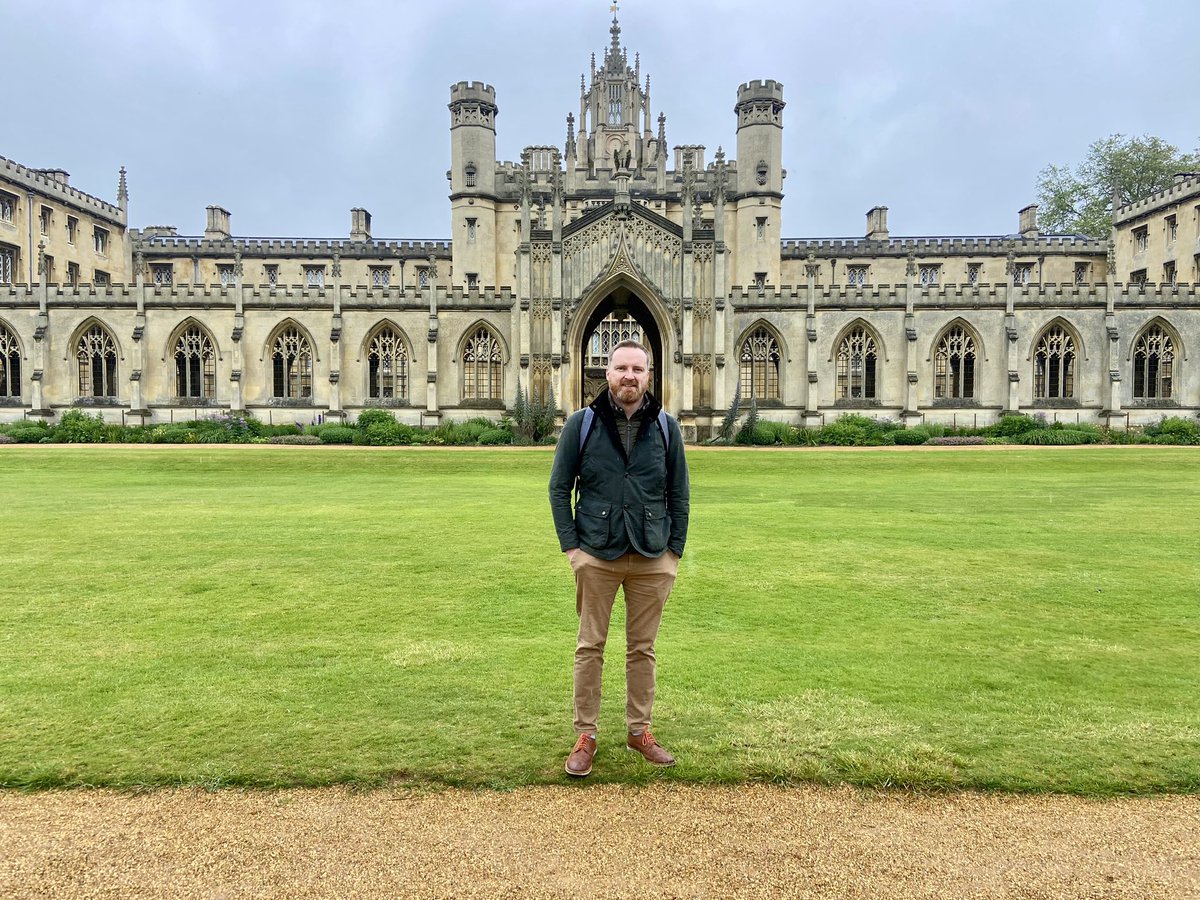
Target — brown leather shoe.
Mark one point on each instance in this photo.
(650, 749)
(579, 763)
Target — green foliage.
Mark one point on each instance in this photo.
(912, 436)
(338, 434)
(533, 417)
(1011, 426)
(388, 433)
(29, 433)
(496, 436)
(1174, 430)
(1057, 437)
(461, 433)
(1125, 436)
(1080, 200)
(369, 417)
(294, 439)
(854, 430)
(745, 434)
(77, 427)
(725, 432)
(174, 434)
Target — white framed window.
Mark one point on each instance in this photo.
(8, 203)
(856, 275)
(974, 272)
(314, 276)
(929, 274)
(226, 274)
(72, 229)
(271, 272)
(381, 276)
(100, 241)
(1141, 237)
(1022, 274)
(163, 274)
(8, 263)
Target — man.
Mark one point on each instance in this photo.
(627, 530)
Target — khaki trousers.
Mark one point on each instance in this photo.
(647, 583)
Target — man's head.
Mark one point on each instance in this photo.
(628, 372)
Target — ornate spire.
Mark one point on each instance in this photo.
(615, 31)
(122, 190)
(662, 135)
(570, 134)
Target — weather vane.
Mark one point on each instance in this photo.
(613, 9)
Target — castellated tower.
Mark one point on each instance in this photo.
(473, 182)
(759, 182)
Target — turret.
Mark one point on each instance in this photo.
(759, 188)
(473, 113)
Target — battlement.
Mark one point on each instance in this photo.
(158, 244)
(1181, 190)
(472, 91)
(1000, 244)
(50, 183)
(759, 89)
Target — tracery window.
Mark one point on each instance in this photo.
(195, 365)
(483, 364)
(225, 272)
(163, 274)
(614, 104)
(1054, 365)
(387, 365)
(609, 332)
(856, 276)
(1153, 365)
(954, 365)
(381, 276)
(759, 367)
(857, 365)
(96, 356)
(272, 273)
(292, 364)
(10, 364)
(1022, 274)
(314, 276)
(929, 275)
(973, 271)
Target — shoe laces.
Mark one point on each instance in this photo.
(584, 742)
(647, 739)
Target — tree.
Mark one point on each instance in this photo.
(1080, 200)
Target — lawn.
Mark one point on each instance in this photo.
(995, 619)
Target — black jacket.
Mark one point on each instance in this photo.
(637, 503)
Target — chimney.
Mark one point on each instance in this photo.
(1029, 225)
(218, 224)
(877, 223)
(360, 225)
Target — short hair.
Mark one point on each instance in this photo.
(636, 345)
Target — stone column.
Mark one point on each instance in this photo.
(431, 375)
(335, 343)
(910, 349)
(136, 405)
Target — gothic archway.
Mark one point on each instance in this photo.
(621, 314)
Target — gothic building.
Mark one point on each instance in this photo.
(554, 258)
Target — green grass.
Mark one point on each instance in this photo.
(1016, 619)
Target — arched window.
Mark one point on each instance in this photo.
(387, 365)
(292, 361)
(610, 331)
(96, 354)
(1153, 365)
(483, 367)
(954, 365)
(857, 365)
(1054, 365)
(10, 364)
(759, 369)
(195, 365)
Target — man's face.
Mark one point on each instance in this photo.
(628, 374)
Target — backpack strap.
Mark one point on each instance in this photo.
(589, 422)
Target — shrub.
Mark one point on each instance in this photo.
(495, 436)
(174, 434)
(281, 430)
(27, 434)
(1174, 430)
(77, 427)
(958, 440)
(5, 439)
(226, 428)
(912, 436)
(338, 434)
(842, 433)
(369, 417)
(1011, 426)
(1057, 437)
(388, 434)
(1125, 436)
(293, 439)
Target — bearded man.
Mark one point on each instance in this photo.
(622, 458)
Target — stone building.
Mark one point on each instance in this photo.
(555, 257)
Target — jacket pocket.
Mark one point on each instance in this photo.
(657, 528)
(592, 522)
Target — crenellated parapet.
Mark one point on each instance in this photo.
(154, 242)
(52, 183)
(1186, 187)
(799, 248)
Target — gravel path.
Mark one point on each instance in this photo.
(596, 841)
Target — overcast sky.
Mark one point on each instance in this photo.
(290, 113)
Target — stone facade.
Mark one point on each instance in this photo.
(554, 258)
